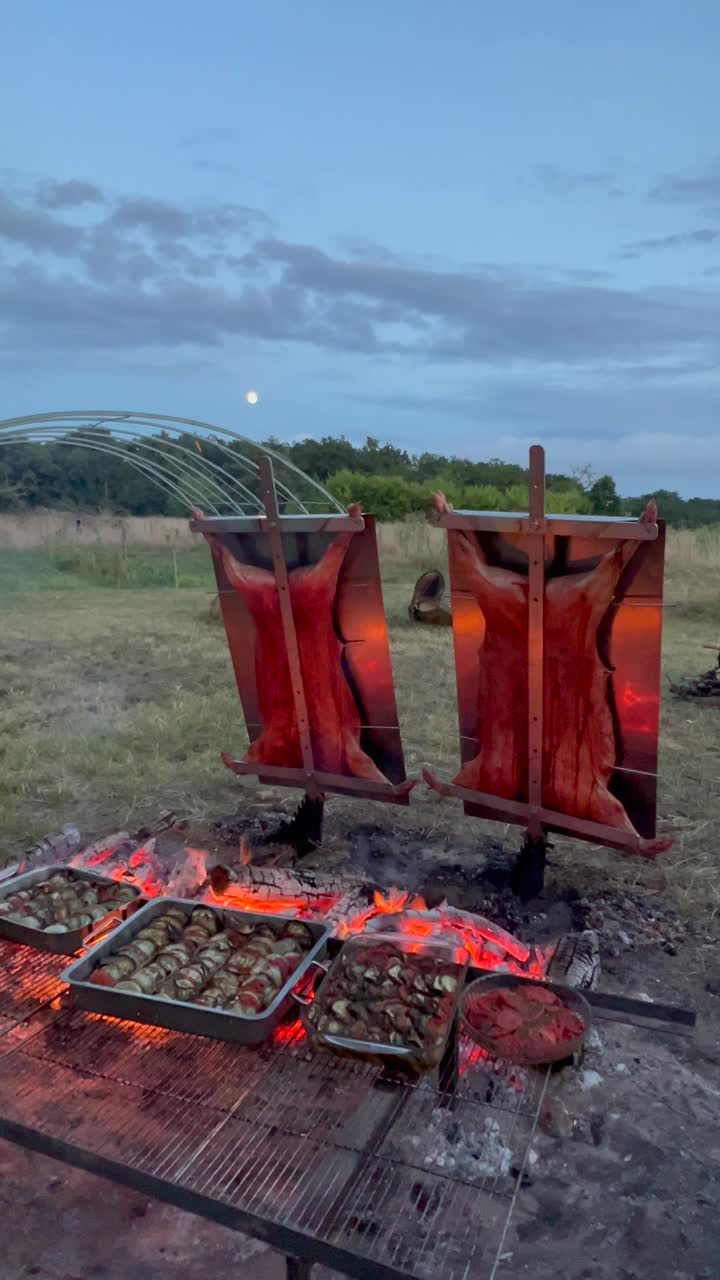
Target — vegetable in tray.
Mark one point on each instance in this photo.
(380, 993)
(65, 902)
(191, 957)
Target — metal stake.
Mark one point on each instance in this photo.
(536, 607)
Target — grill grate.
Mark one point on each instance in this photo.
(29, 979)
(321, 1157)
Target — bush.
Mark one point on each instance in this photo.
(392, 498)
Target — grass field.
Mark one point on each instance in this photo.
(116, 696)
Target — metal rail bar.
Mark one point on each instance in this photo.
(289, 524)
(198, 467)
(146, 467)
(518, 811)
(672, 1019)
(536, 639)
(512, 522)
(337, 781)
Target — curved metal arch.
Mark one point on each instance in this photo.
(150, 470)
(116, 445)
(126, 424)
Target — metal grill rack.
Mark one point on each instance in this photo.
(29, 981)
(325, 1160)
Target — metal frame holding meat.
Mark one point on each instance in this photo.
(308, 639)
(559, 718)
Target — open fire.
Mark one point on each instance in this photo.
(349, 906)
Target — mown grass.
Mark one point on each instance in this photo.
(71, 568)
(115, 703)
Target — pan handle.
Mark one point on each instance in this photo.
(104, 926)
(314, 964)
(113, 918)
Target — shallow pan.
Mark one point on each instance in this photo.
(61, 944)
(514, 1051)
(181, 1015)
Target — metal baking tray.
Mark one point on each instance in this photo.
(61, 944)
(181, 1015)
(393, 1058)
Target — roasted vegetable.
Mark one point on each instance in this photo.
(240, 968)
(380, 993)
(66, 898)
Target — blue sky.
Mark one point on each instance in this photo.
(465, 227)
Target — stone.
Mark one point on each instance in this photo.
(589, 1079)
(555, 1119)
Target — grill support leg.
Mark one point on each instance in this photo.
(298, 1269)
(528, 874)
(449, 1069)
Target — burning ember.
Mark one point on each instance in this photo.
(350, 908)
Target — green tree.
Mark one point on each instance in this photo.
(604, 499)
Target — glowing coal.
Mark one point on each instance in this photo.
(347, 905)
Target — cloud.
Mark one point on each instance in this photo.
(630, 431)
(678, 240)
(67, 195)
(700, 189)
(163, 219)
(494, 317)
(641, 461)
(130, 272)
(130, 237)
(35, 229)
(562, 182)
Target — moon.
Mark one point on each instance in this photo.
(252, 397)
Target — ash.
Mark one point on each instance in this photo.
(457, 1146)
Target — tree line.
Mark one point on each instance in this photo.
(387, 480)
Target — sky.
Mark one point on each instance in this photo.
(462, 228)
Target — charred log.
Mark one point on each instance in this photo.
(312, 889)
(576, 960)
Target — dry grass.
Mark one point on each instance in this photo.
(116, 703)
(414, 542)
(25, 531)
